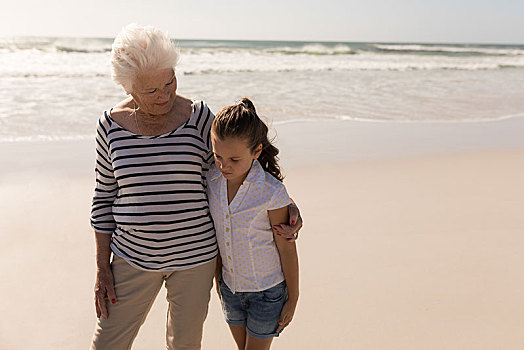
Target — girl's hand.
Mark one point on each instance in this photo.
(286, 315)
(290, 232)
(104, 288)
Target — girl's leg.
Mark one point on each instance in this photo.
(239, 334)
(234, 309)
(263, 316)
(257, 344)
(188, 293)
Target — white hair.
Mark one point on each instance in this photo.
(137, 49)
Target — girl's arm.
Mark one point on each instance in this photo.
(218, 271)
(289, 260)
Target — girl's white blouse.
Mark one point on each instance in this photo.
(250, 259)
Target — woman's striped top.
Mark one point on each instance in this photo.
(150, 193)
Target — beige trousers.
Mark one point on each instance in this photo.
(188, 293)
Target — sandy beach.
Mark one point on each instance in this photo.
(413, 239)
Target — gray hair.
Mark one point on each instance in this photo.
(137, 49)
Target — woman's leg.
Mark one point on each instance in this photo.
(136, 291)
(188, 294)
(239, 334)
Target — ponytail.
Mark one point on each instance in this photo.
(241, 121)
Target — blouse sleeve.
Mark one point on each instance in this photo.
(280, 198)
(106, 186)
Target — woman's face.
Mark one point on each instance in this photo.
(154, 91)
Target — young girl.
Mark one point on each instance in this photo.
(257, 277)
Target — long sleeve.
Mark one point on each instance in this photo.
(106, 186)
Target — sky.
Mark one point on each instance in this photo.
(458, 21)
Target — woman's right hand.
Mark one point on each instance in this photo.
(104, 290)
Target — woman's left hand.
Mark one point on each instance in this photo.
(290, 232)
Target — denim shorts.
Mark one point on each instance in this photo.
(258, 311)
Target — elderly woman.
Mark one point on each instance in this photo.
(150, 209)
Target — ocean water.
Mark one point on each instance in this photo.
(56, 88)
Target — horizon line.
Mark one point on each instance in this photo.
(281, 40)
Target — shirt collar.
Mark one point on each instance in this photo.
(255, 176)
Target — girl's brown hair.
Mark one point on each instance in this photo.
(241, 121)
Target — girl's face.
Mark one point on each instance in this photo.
(233, 157)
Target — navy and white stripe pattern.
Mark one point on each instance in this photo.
(150, 193)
